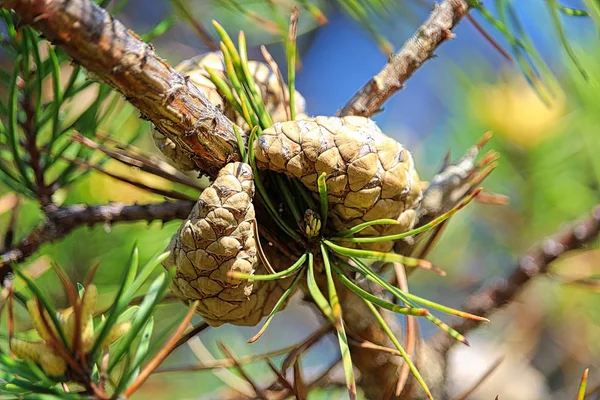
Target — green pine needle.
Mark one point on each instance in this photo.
(418, 230)
(324, 204)
(384, 257)
(276, 308)
(270, 277)
(403, 353)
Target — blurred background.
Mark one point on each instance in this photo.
(549, 167)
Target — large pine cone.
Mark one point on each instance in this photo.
(194, 70)
(218, 237)
(369, 175)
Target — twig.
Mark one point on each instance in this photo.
(300, 389)
(64, 220)
(166, 193)
(241, 371)
(489, 38)
(304, 346)
(280, 377)
(465, 395)
(145, 164)
(365, 344)
(196, 329)
(534, 263)
(42, 191)
(418, 49)
(226, 363)
(230, 379)
(101, 44)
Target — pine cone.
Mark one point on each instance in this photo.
(266, 80)
(369, 175)
(218, 237)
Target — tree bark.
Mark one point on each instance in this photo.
(112, 53)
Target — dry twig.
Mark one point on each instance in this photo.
(65, 219)
(418, 49)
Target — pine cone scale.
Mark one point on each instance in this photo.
(217, 238)
(368, 174)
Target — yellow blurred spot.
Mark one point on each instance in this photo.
(514, 111)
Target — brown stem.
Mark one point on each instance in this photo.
(43, 191)
(418, 49)
(100, 43)
(64, 220)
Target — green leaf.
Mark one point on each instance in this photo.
(314, 291)
(357, 228)
(16, 367)
(240, 141)
(32, 38)
(418, 230)
(151, 299)
(253, 92)
(304, 193)
(324, 205)
(224, 89)
(288, 198)
(248, 109)
(410, 300)
(405, 356)
(230, 47)
(271, 277)
(120, 301)
(572, 12)
(582, 385)
(276, 308)
(290, 54)
(555, 8)
(358, 13)
(264, 195)
(336, 310)
(12, 133)
(160, 28)
(45, 302)
(379, 256)
(419, 312)
(58, 100)
(134, 368)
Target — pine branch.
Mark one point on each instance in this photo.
(120, 58)
(418, 49)
(65, 219)
(535, 263)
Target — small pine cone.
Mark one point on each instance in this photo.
(269, 87)
(369, 175)
(218, 237)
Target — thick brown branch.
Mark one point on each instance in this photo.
(66, 219)
(534, 263)
(120, 58)
(418, 49)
